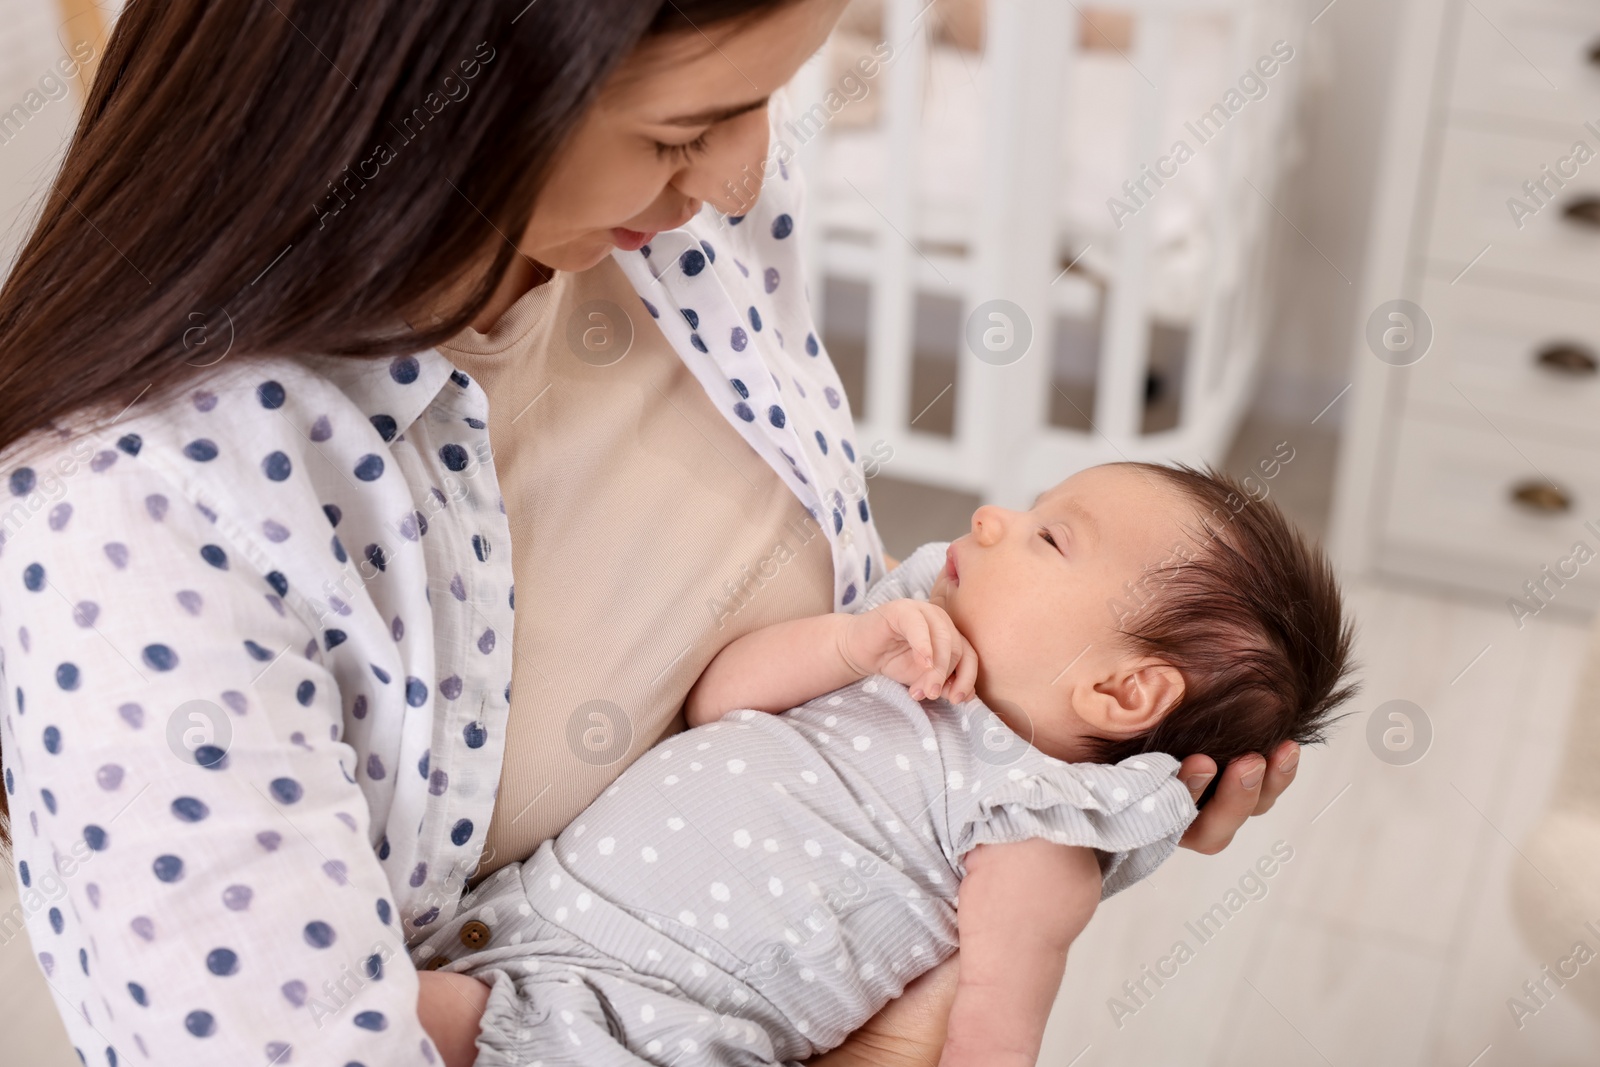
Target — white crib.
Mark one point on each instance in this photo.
(990, 189)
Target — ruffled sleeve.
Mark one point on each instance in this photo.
(1131, 813)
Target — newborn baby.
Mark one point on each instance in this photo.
(996, 730)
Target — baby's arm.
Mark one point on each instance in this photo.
(1021, 905)
(786, 664)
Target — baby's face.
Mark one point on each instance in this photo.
(1037, 592)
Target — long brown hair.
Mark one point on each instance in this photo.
(226, 183)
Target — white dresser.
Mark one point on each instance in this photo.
(1478, 465)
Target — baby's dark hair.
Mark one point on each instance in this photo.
(1250, 615)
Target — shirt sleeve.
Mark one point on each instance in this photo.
(194, 857)
(913, 578)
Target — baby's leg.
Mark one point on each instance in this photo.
(556, 999)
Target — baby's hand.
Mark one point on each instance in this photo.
(915, 643)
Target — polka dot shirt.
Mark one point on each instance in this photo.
(256, 652)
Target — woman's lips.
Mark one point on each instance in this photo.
(630, 240)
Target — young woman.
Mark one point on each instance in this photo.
(343, 329)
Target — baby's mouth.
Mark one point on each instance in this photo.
(950, 565)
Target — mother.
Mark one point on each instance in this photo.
(257, 577)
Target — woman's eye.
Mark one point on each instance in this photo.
(682, 152)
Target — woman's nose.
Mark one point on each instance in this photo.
(729, 174)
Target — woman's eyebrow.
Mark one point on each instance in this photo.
(715, 115)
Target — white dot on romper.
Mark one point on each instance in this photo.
(675, 823)
(653, 1047)
(823, 737)
(807, 974)
(584, 900)
(790, 936)
(516, 938)
(652, 955)
(697, 969)
(835, 701)
(561, 915)
(666, 753)
(892, 825)
(648, 854)
(1119, 794)
(862, 742)
(1147, 804)
(929, 744)
(770, 845)
(647, 1012)
(686, 917)
(808, 777)
(524, 909)
(847, 859)
(741, 838)
(572, 857)
(869, 686)
(1016, 774)
(702, 746)
(735, 766)
(803, 1026)
(1139, 765)
(956, 780)
(720, 921)
(688, 1046)
(719, 891)
(831, 721)
(606, 845)
(903, 763)
(775, 885)
(695, 765)
(567, 1017)
(671, 779)
(779, 787)
(813, 849)
(613, 791)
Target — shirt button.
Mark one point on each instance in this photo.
(435, 962)
(474, 934)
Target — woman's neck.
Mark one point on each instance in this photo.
(523, 276)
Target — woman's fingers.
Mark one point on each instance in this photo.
(1281, 767)
(1234, 801)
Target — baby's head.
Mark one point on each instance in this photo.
(1138, 608)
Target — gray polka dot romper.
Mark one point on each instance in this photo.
(752, 890)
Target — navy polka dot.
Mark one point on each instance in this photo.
(332, 639)
(711, 253)
(222, 962)
(33, 577)
(214, 555)
(279, 583)
(416, 692)
(811, 344)
(454, 457)
(474, 734)
(305, 692)
(755, 320)
(654, 314)
(769, 279)
(136, 991)
(744, 390)
(287, 790)
(68, 676)
(692, 318)
(776, 416)
(692, 262)
(385, 425)
(52, 740)
(861, 508)
(57, 923)
(384, 913)
(369, 468)
(822, 442)
(694, 339)
(374, 968)
(168, 868)
(276, 466)
(742, 410)
(371, 1020)
(318, 934)
(201, 450)
(405, 370)
(130, 443)
(200, 1023)
(782, 226)
(190, 809)
(160, 657)
(739, 339)
(461, 832)
(270, 394)
(23, 479)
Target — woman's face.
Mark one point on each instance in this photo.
(682, 122)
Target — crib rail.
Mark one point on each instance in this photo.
(1004, 446)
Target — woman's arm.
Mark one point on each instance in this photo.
(1022, 905)
(212, 905)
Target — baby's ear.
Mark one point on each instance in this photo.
(1134, 699)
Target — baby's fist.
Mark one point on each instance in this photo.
(915, 643)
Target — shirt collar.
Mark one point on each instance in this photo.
(399, 387)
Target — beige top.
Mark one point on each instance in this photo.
(646, 534)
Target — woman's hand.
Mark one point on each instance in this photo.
(909, 1031)
(915, 643)
(1250, 786)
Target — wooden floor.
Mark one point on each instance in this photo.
(1388, 938)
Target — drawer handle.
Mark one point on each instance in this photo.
(1567, 358)
(1585, 211)
(1542, 497)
